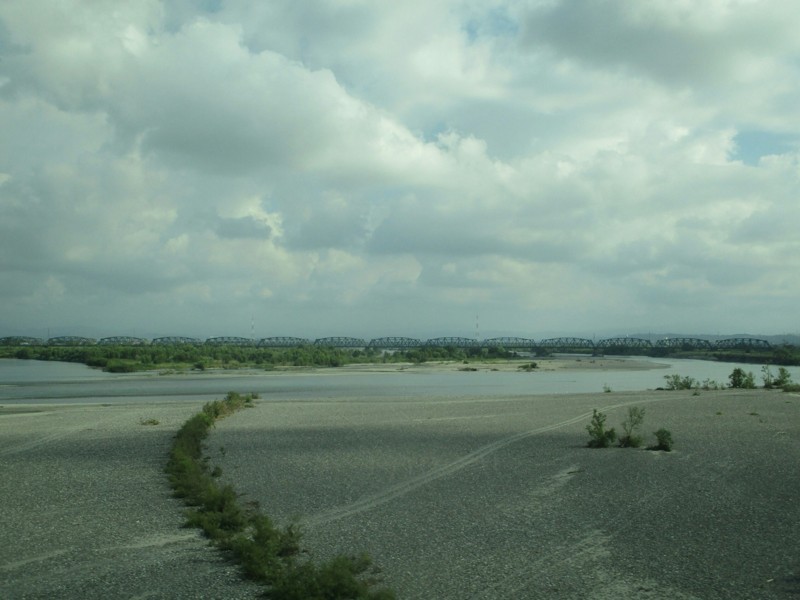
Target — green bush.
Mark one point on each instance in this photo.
(341, 577)
(676, 382)
(600, 436)
(630, 439)
(663, 440)
(710, 384)
(117, 366)
(741, 380)
(784, 378)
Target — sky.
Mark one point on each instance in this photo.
(359, 168)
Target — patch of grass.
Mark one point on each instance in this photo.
(630, 439)
(149, 422)
(663, 441)
(267, 554)
(600, 436)
(531, 366)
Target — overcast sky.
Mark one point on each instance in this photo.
(363, 168)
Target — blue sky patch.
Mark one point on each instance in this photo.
(751, 146)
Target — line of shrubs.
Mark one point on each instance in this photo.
(266, 553)
(601, 436)
(739, 379)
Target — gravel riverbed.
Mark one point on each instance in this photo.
(500, 498)
(479, 497)
(87, 510)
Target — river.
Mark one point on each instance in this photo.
(53, 382)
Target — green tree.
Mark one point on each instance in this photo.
(741, 379)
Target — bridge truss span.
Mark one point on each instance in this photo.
(394, 343)
(174, 340)
(570, 344)
(509, 343)
(230, 341)
(122, 340)
(685, 343)
(452, 342)
(624, 342)
(742, 344)
(19, 340)
(341, 342)
(283, 342)
(71, 340)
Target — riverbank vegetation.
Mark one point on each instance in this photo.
(267, 554)
(199, 357)
(738, 379)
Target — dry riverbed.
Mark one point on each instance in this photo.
(480, 497)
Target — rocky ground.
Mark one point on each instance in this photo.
(87, 511)
(454, 498)
(500, 498)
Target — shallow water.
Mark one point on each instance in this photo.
(36, 381)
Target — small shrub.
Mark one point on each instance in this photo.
(767, 377)
(742, 380)
(676, 382)
(710, 384)
(784, 378)
(149, 422)
(630, 439)
(663, 440)
(600, 436)
(528, 367)
(607, 388)
(341, 577)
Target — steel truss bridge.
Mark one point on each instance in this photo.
(394, 343)
(567, 344)
(681, 343)
(623, 342)
(562, 344)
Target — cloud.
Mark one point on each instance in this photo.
(678, 43)
(377, 167)
(243, 228)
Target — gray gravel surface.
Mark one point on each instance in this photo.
(87, 511)
(500, 498)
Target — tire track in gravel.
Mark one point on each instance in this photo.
(581, 551)
(587, 547)
(61, 432)
(404, 487)
(41, 441)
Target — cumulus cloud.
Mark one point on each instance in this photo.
(181, 167)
